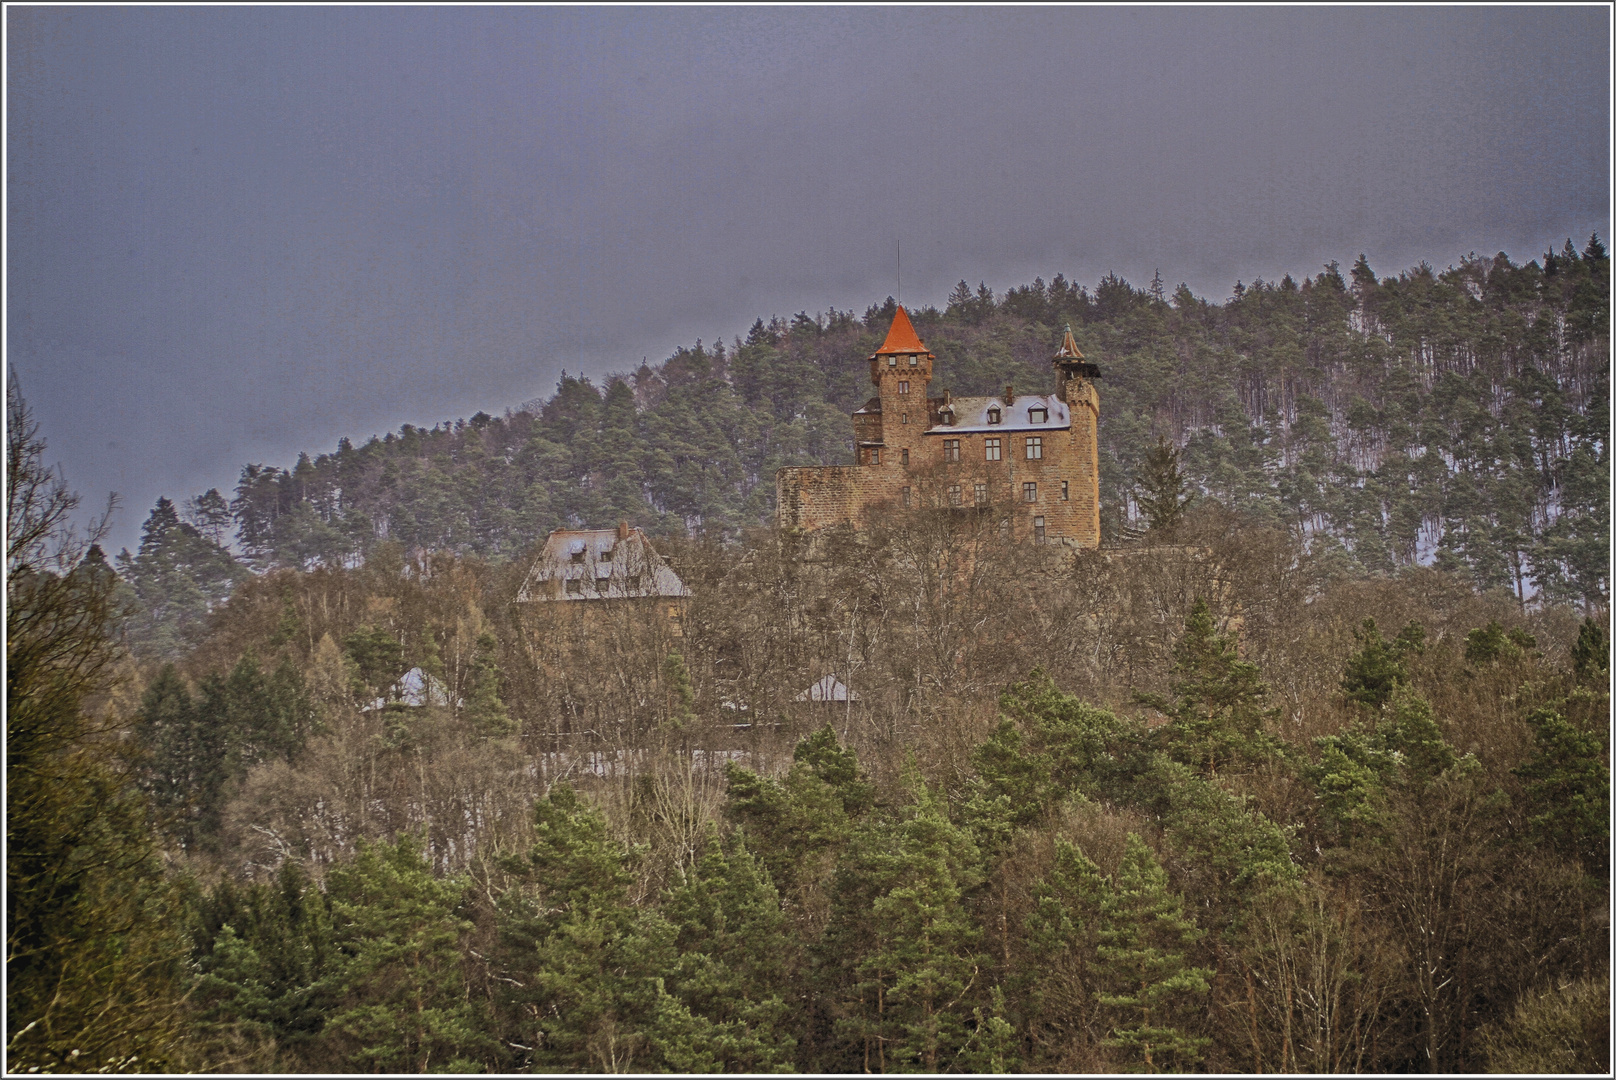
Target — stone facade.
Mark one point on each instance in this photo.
(1030, 459)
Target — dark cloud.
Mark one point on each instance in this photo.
(235, 233)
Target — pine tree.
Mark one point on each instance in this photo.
(1063, 932)
(484, 709)
(183, 768)
(735, 954)
(917, 981)
(1380, 666)
(1568, 790)
(1219, 711)
(588, 971)
(401, 1002)
(1163, 492)
(1152, 988)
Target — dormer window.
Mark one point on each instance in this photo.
(993, 414)
(1038, 414)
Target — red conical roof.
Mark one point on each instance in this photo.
(902, 337)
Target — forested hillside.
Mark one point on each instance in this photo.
(1455, 418)
(1286, 778)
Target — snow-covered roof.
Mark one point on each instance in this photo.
(972, 414)
(599, 564)
(830, 688)
(415, 687)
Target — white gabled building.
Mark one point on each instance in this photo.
(600, 564)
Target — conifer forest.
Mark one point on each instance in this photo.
(1305, 769)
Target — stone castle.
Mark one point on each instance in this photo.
(1030, 459)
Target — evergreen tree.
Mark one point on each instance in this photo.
(1590, 657)
(484, 709)
(588, 971)
(179, 577)
(1163, 492)
(1568, 790)
(184, 766)
(920, 968)
(401, 1001)
(1063, 932)
(1151, 986)
(734, 960)
(1219, 711)
(264, 956)
(1380, 666)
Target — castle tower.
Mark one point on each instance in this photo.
(1074, 384)
(888, 429)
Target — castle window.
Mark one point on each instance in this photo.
(950, 449)
(904, 419)
(905, 453)
(906, 494)
(875, 455)
(575, 587)
(993, 414)
(913, 360)
(991, 448)
(892, 361)
(1038, 414)
(1029, 492)
(1038, 530)
(954, 495)
(981, 494)
(903, 388)
(1066, 491)
(1035, 448)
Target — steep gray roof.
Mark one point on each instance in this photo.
(971, 414)
(599, 564)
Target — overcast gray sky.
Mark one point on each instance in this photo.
(236, 233)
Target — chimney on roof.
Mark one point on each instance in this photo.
(1009, 394)
(622, 530)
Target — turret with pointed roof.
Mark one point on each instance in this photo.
(1069, 364)
(890, 424)
(901, 336)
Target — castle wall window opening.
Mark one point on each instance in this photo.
(981, 494)
(1035, 448)
(1029, 491)
(991, 448)
(1038, 530)
(954, 495)
(951, 449)
(903, 388)
(1066, 490)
